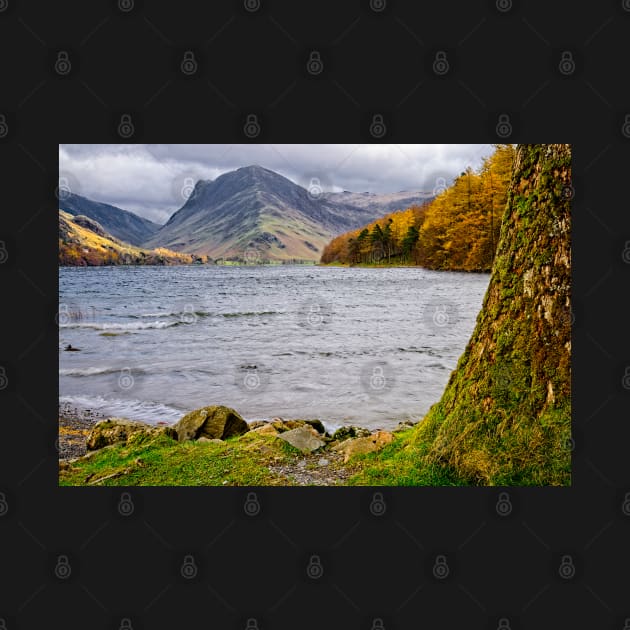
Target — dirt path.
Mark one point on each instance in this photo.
(323, 469)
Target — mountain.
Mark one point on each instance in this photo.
(255, 214)
(121, 224)
(84, 242)
(380, 204)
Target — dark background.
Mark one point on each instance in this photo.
(502, 58)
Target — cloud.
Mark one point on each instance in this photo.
(153, 179)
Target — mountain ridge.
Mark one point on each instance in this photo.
(255, 208)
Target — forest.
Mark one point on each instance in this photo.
(457, 230)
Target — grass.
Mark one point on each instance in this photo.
(161, 461)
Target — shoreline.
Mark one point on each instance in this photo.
(76, 423)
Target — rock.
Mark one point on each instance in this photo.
(359, 446)
(115, 430)
(256, 424)
(404, 425)
(344, 433)
(216, 421)
(323, 462)
(266, 429)
(317, 425)
(304, 438)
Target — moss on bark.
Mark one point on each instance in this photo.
(505, 416)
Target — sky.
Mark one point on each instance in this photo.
(154, 180)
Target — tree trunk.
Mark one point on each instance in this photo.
(505, 416)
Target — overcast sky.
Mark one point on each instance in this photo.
(154, 180)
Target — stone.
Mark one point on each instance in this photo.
(323, 462)
(305, 439)
(212, 422)
(266, 429)
(317, 425)
(256, 424)
(344, 433)
(359, 446)
(116, 430)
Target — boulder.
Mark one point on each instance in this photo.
(256, 424)
(304, 438)
(211, 422)
(115, 430)
(212, 441)
(266, 429)
(344, 433)
(317, 425)
(359, 446)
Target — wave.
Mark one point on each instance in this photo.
(249, 313)
(182, 314)
(121, 326)
(142, 410)
(90, 371)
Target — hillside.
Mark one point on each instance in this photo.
(457, 230)
(121, 224)
(255, 214)
(505, 416)
(84, 242)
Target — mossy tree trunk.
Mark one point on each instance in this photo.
(505, 415)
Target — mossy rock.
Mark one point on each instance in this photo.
(215, 422)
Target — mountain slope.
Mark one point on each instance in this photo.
(380, 204)
(256, 214)
(84, 242)
(119, 223)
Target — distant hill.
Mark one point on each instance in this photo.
(84, 242)
(126, 226)
(253, 213)
(380, 204)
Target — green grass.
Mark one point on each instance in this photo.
(161, 461)
(402, 463)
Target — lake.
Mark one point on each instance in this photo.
(365, 346)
